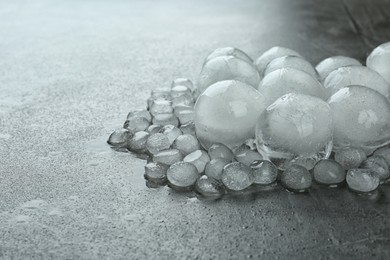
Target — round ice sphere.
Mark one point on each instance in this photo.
(186, 144)
(136, 124)
(214, 168)
(219, 150)
(378, 165)
(333, 63)
(227, 113)
(199, 158)
(157, 142)
(356, 75)
(294, 62)
(140, 113)
(229, 51)
(168, 157)
(182, 175)
(119, 138)
(379, 60)
(271, 54)
(295, 127)
(362, 180)
(247, 157)
(171, 131)
(361, 118)
(227, 68)
(328, 172)
(138, 142)
(209, 187)
(264, 172)
(156, 172)
(350, 157)
(289, 80)
(237, 176)
(296, 178)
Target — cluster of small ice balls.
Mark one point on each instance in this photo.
(278, 118)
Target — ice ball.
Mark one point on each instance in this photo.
(229, 51)
(295, 127)
(379, 60)
(294, 62)
(333, 63)
(227, 113)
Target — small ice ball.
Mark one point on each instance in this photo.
(294, 62)
(209, 187)
(136, 124)
(333, 63)
(362, 180)
(227, 68)
(182, 175)
(264, 172)
(227, 113)
(119, 138)
(329, 172)
(247, 157)
(161, 106)
(296, 178)
(350, 157)
(171, 131)
(356, 75)
(183, 82)
(199, 158)
(384, 152)
(378, 165)
(219, 150)
(168, 157)
(229, 51)
(361, 118)
(165, 119)
(157, 142)
(186, 144)
(153, 129)
(379, 60)
(271, 54)
(214, 168)
(289, 80)
(295, 127)
(138, 142)
(188, 128)
(140, 113)
(237, 176)
(156, 172)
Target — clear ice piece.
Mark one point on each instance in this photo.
(186, 144)
(168, 157)
(165, 119)
(219, 150)
(161, 106)
(182, 175)
(329, 172)
(227, 113)
(180, 108)
(384, 152)
(186, 116)
(227, 68)
(183, 82)
(295, 127)
(362, 180)
(379, 60)
(237, 176)
(119, 138)
(136, 124)
(140, 113)
(188, 128)
(214, 168)
(296, 178)
(209, 187)
(361, 118)
(264, 172)
(229, 51)
(356, 75)
(350, 157)
(157, 142)
(171, 131)
(178, 91)
(138, 142)
(161, 93)
(289, 80)
(199, 158)
(247, 157)
(156, 172)
(378, 165)
(153, 129)
(333, 63)
(294, 62)
(183, 100)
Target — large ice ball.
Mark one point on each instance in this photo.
(229, 51)
(333, 63)
(294, 62)
(361, 118)
(296, 128)
(379, 60)
(227, 113)
(227, 68)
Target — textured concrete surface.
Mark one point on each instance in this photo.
(69, 73)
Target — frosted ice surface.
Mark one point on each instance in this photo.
(183, 82)
(199, 158)
(214, 168)
(171, 131)
(333, 63)
(138, 142)
(119, 137)
(289, 80)
(295, 127)
(362, 180)
(361, 118)
(165, 119)
(161, 106)
(271, 54)
(209, 187)
(156, 172)
(140, 113)
(229, 51)
(350, 157)
(329, 172)
(178, 91)
(356, 75)
(247, 157)
(237, 176)
(378, 165)
(157, 142)
(137, 123)
(219, 150)
(264, 172)
(188, 128)
(294, 62)
(182, 175)
(186, 144)
(168, 157)
(227, 113)
(385, 153)
(296, 178)
(379, 60)
(227, 68)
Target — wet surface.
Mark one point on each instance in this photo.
(69, 73)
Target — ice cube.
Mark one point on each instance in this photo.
(229, 51)
(161, 106)
(362, 180)
(361, 118)
(237, 176)
(119, 138)
(219, 150)
(264, 172)
(157, 142)
(182, 175)
(156, 172)
(183, 100)
(138, 142)
(271, 54)
(289, 80)
(356, 75)
(199, 158)
(294, 62)
(161, 93)
(136, 124)
(247, 157)
(378, 165)
(333, 63)
(379, 60)
(182, 82)
(214, 168)
(180, 108)
(350, 157)
(153, 129)
(188, 128)
(329, 172)
(168, 157)
(227, 68)
(165, 119)
(185, 116)
(385, 153)
(171, 131)
(140, 113)
(186, 144)
(296, 178)
(178, 91)
(209, 187)
(227, 113)
(295, 127)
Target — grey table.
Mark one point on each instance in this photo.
(69, 73)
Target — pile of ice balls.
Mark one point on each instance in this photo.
(275, 120)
